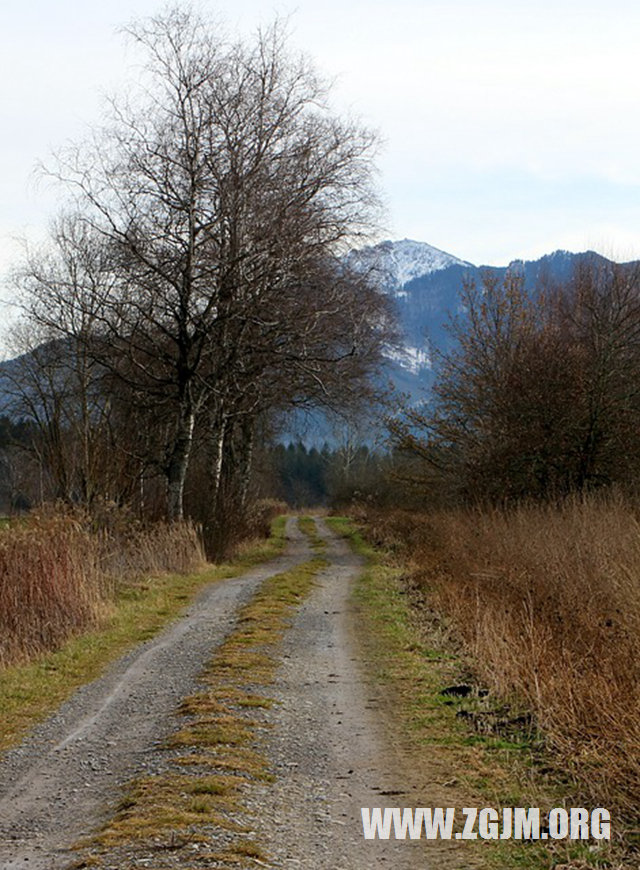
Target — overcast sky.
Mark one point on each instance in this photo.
(510, 129)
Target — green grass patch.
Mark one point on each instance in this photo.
(29, 693)
(308, 526)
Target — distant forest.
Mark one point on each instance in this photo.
(331, 477)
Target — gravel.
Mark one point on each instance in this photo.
(332, 752)
(65, 778)
(329, 739)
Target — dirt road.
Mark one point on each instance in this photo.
(60, 783)
(329, 747)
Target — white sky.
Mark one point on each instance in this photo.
(511, 128)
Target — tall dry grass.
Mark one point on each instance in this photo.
(50, 585)
(60, 570)
(547, 604)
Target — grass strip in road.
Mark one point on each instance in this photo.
(194, 809)
(308, 526)
(415, 661)
(29, 693)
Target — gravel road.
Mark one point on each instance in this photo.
(62, 781)
(330, 739)
(332, 746)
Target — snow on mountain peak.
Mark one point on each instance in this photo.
(400, 262)
(412, 359)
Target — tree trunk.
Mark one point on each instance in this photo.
(213, 545)
(179, 462)
(245, 459)
(230, 471)
(216, 465)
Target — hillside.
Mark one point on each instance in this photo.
(425, 285)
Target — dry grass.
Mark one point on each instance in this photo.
(546, 602)
(30, 691)
(59, 572)
(51, 585)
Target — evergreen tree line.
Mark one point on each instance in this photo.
(328, 476)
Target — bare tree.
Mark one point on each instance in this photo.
(319, 349)
(56, 380)
(539, 396)
(217, 188)
(601, 316)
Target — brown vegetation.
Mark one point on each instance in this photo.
(59, 571)
(546, 602)
(539, 395)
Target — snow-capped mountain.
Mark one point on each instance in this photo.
(425, 285)
(423, 282)
(412, 359)
(398, 263)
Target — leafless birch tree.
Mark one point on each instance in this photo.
(221, 190)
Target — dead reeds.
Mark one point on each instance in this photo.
(59, 571)
(546, 602)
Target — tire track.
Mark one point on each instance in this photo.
(333, 747)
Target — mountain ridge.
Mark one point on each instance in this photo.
(426, 293)
(396, 263)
